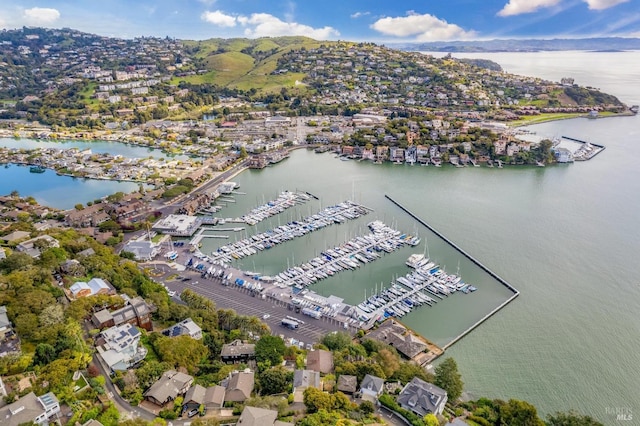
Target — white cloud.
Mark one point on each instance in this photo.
(207, 2)
(266, 25)
(518, 7)
(219, 18)
(41, 15)
(425, 27)
(359, 14)
(603, 4)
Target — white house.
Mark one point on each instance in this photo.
(120, 347)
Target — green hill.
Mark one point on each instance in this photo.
(244, 63)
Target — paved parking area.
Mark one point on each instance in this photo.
(246, 302)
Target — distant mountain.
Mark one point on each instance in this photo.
(530, 45)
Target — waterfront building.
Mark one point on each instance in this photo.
(179, 225)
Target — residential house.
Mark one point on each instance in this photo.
(395, 334)
(15, 236)
(303, 379)
(238, 351)
(422, 397)
(239, 386)
(136, 312)
(253, 416)
(91, 288)
(5, 324)
(320, 361)
(347, 384)
(120, 347)
(30, 409)
(185, 327)
(32, 246)
(211, 398)
(168, 387)
(371, 387)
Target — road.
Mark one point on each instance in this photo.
(126, 409)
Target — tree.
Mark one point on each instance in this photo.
(448, 378)
(336, 340)
(270, 349)
(45, 353)
(367, 408)
(275, 380)
(431, 420)
(570, 418)
(315, 400)
(79, 206)
(519, 413)
(183, 351)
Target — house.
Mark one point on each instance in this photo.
(422, 397)
(15, 236)
(120, 347)
(91, 288)
(303, 379)
(168, 387)
(320, 361)
(185, 327)
(142, 250)
(211, 398)
(371, 387)
(253, 416)
(135, 312)
(395, 334)
(238, 351)
(33, 246)
(30, 409)
(347, 384)
(5, 324)
(239, 386)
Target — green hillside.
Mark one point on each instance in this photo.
(244, 63)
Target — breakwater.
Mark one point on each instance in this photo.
(502, 281)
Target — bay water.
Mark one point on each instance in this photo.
(566, 236)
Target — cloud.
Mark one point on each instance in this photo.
(207, 2)
(425, 27)
(266, 25)
(359, 14)
(603, 4)
(219, 18)
(518, 7)
(41, 15)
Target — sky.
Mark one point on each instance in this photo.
(354, 20)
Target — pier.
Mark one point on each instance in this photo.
(585, 152)
(515, 291)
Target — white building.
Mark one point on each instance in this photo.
(120, 347)
(178, 224)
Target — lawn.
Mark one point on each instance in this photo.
(541, 118)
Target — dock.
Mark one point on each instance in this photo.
(502, 281)
(585, 152)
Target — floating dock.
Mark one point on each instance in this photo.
(515, 291)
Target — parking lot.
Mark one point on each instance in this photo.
(247, 302)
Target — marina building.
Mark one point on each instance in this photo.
(179, 225)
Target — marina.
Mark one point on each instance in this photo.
(336, 214)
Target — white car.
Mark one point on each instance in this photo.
(265, 316)
(172, 293)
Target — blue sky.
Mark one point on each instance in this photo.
(357, 20)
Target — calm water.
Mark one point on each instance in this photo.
(97, 147)
(61, 192)
(565, 236)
